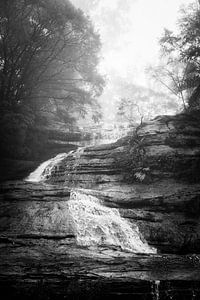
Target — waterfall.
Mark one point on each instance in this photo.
(97, 225)
(93, 223)
(46, 168)
(155, 290)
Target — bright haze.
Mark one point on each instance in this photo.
(130, 31)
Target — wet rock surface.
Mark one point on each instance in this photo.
(152, 176)
(40, 258)
(166, 147)
(159, 191)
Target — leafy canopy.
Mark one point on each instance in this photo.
(183, 51)
(48, 51)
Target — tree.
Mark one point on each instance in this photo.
(129, 111)
(171, 75)
(185, 48)
(49, 54)
(138, 103)
(48, 50)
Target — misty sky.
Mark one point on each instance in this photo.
(130, 30)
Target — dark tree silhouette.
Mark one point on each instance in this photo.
(48, 49)
(49, 53)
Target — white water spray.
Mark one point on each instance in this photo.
(97, 225)
(45, 169)
(155, 290)
(93, 223)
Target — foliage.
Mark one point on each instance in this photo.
(182, 51)
(137, 166)
(134, 163)
(45, 49)
(129, 110)
(171, 74)
(48, 64)
(138, 104)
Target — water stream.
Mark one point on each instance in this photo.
(101, 236)
(155, 289)
(45, 169)
(95, 224)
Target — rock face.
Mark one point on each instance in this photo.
(152, 176)
(152, 179)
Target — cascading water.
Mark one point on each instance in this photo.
(45, 169)
(93, 223)
(155, 290)
(97, 225)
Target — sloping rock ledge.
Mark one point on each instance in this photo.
(152, 176)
